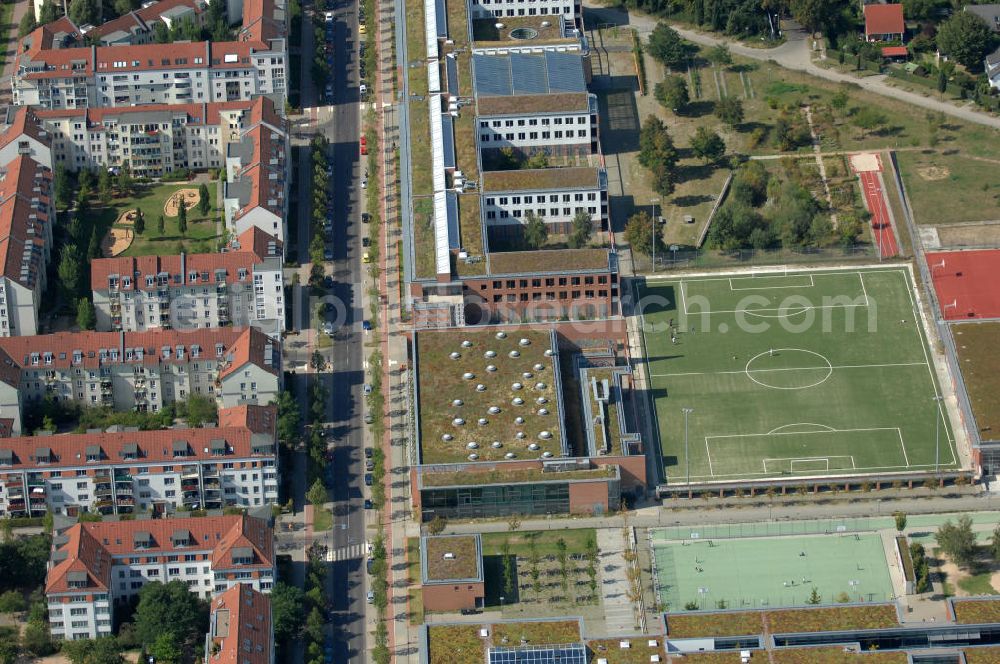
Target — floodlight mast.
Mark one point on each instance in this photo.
(687, 458)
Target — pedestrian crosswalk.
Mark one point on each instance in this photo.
(346, 553)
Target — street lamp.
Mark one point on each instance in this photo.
(687, 458)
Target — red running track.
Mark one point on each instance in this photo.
(881, 224)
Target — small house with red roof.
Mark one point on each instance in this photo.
(240, 630)
(884, 23)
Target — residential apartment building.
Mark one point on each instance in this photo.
(27, 214)
(240, 629)
(94, 567)
(136, 27)
(119, 471)
(53, 77)
(555, 195)
(143, 371)
(242, 286)
(257, 182)
(152, 140)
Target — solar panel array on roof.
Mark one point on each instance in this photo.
(449, 141)
(451, 198)
(451, 67)
(528, 74)
(442, 20)
(574, 653)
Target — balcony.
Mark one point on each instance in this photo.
(123, 478)
(102, 490)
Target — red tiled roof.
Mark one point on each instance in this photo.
(884, 19)
(21, 235)
(249, 349)
(197, 114)
(155, 446)
(139, 267)
(24, 123)
(258, 242)
(58, 62)
(894, 51)
(91, 545)
(180, 55)
(246, 344)
(241, 627)
(143, 17)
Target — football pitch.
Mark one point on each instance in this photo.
(789, 374)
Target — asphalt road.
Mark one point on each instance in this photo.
(347, 589)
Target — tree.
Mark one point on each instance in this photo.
(535, 232)
(720, 55)
(51, 11)
(533, 560)
(12, 601)
(94, 246)
(103, 650)
(69, 271)
(814, 597)
(104, 187)
(995, 544)
(563, 559)
(839, 100)
(900, 519)
(287, 610)
(124, 181)
(658, 154)
(708, 145)
(317, 361)
(513, 522)
(641, 234)
(27, 24)
(37, 639)
(165, 649)
(868, 118)
(583, 228)
(182, 218)
(161, 33)
(508, 569)
(62, 184)
(159, 225)
(317, 494)
(86, 319)
(957, 540)
(314, 625)
(672, 93)
(437, 525)
(200, 410)
(966, 38)
(818, 15)
(942, 81)
(170, 608)
(667, 46)
(288, 417)
(729, 110)
(204, 200)
(83, 12)
(140, 222)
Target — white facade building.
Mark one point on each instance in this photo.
(555, 195)
(96, 566)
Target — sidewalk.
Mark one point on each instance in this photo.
(21, 7)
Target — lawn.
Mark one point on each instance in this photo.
(875, 616)
(823, 373)
(638, 652)
(743, 623)
(949, 188)
(977, 344)
(201, 229)
(989, 655)
(414, 592)
(455, 644)
(834, 655)
(977, 584)
(442, 381)
(536, 633)
(545, 541)
(322, 518)
(975, 612)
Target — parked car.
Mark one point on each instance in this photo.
(369, 418)
(362, 30)
(366, 257)
(328, 254)
(363, 89)
(369, 465)
(368, 479)
(364, 145)
(366, 325)
(369, 453)
(369, 505)
(368, 389)
(328, 16)
(366, 242)
(328, 328)
(370, 563)
(365, 217)
(328, 281)
(371, 596)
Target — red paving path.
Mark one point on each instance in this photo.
(882, 231)
(967, 283)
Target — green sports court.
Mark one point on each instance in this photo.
(770, 571)
(792, 374)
